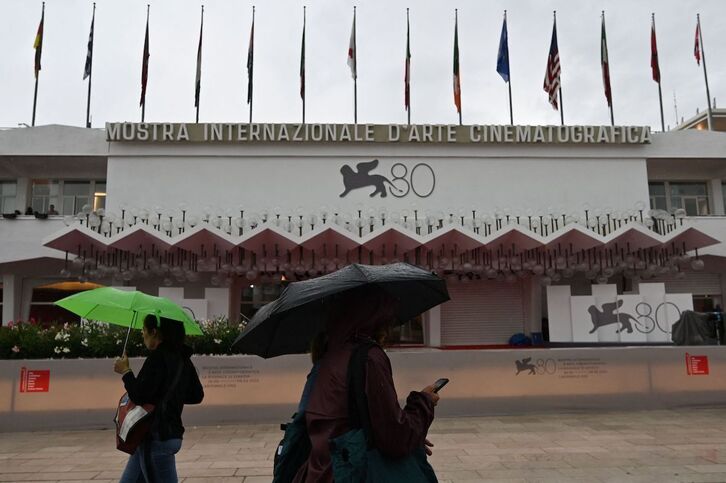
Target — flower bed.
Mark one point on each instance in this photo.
(89, 339)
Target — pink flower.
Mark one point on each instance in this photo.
(16, 349)
(10, 324)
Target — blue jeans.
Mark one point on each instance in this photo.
(163, 463)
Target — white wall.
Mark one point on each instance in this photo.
(481, 183)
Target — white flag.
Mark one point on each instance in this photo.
(352, 63)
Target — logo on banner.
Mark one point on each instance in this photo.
(525, 365)
(34, 380)
(696, 365)
(538, 367)
(400, 184)
(608, 316)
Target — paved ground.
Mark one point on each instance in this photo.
(643, 446)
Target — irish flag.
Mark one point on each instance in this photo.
(457, 77)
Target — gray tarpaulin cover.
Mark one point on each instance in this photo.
(693, 329)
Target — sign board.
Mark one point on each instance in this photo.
(696, 365)
(606, 316)
(34, 380)
(373, 133)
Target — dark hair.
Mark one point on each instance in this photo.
(172, 331)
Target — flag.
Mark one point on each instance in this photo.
(552, 73)
(696, 47)
(605, 65)
(407, 73)
(503, 55)
(145, 65)
(457, 76)
(353, 52)
(654, 54)
(89, 54)
(38, 44)
(198, 81)
(302, 64)
(250, 62)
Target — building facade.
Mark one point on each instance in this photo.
(218, 217)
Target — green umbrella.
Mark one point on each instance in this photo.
(126, 308)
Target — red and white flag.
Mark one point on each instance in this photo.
(352, 52)
(697, 45)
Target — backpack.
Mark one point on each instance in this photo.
(294, 448)
(352, 454)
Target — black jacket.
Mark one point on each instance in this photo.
(152, 383)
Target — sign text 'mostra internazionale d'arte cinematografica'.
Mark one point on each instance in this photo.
(375, 133)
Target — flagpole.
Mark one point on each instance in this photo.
(35, 100)
(509, 82)
(408, 73)
(143, 106)
(302, 69)
(355, 78)
(198, 93)
(90, 71)
(562, 108)
(705, 75)
(37, 72)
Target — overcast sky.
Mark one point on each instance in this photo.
(174, 31)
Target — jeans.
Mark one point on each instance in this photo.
(163, 462)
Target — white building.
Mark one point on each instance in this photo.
(218, 216)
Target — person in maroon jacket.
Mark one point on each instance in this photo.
(396, 432)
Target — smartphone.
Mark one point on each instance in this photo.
(440, 383)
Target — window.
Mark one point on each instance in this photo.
(67, 196)
(254, 296)
(75, 195)
(671, 196)
(45, 193)
(410, 333)
(692, 197)
(8, 191)
(657, 193)
(99, 195)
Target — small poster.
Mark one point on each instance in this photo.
(34, 380)
(696, 365)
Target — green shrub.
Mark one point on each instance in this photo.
(90, 339)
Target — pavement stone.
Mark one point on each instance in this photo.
(660, 446)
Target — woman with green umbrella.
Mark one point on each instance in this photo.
(167, 377)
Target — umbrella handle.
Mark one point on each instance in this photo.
(128, 332)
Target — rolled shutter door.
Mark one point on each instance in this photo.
(482, 312)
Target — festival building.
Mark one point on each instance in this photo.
(572, 234)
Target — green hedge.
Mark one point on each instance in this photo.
(90, 339)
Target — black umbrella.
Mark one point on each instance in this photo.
(288, 324)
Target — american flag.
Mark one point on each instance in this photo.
(696, 46)
(552, 74)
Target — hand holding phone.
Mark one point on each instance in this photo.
(440, 383)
